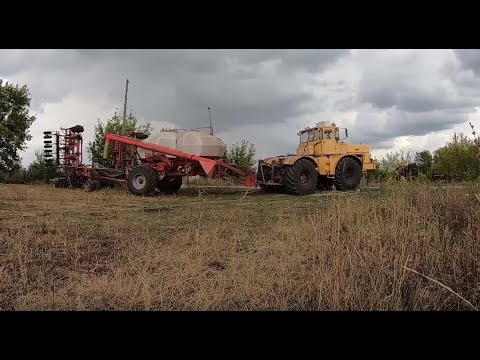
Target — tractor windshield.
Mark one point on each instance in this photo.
(313, 135)
(304, 137)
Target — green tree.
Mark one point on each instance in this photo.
(387, 165)
(17, 176)
(241, 154)
(38, 170)
(424, 160)
(113, 125)
(15, 123)
(458, 159)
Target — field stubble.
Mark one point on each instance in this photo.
(406, 247)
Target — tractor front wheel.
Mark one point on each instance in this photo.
(348, 174)
(301, 178)
(142, 180)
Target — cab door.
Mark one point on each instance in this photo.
(328, 142)
(303, 146)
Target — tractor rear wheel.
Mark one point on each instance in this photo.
(142, 180)
(170, 186)
(301, 178)
(348, 174)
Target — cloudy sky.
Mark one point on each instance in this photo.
(406, 100)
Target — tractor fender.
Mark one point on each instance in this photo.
(356, 158)
(293, 159)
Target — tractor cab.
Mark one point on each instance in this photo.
(321, 140)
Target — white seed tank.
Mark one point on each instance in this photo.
(191, 142)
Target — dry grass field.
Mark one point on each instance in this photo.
(403, 247)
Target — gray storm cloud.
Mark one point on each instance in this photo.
(470, 58)
(381, 125)
(176, 85)
(411, 83)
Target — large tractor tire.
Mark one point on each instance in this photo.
(301, 178)
(142, 180)
(170, 186)
(348, 174)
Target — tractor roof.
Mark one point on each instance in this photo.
(318, 126)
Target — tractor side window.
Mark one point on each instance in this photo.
(328, 134)
(337, 134)
(343, 134)
(313, 135)
(304, 137)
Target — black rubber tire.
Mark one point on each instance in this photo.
(294, 179)
(88, 185)
(170, 186)
(348, 174)
(61, 183)
(142, 180)
(97, 185)
(77, 128)
(140, 136)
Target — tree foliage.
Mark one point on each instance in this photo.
(15, 123)
(458, 159)
(387, 165)
(424, 160)
(38, 170)
(114, 125)
(241, 154)
(17, 176)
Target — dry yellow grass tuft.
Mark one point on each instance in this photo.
(406, 247)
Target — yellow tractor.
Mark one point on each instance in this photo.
(323, 160)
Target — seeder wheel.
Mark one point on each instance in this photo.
(89, 185)
(142, 180)
(61, 183)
